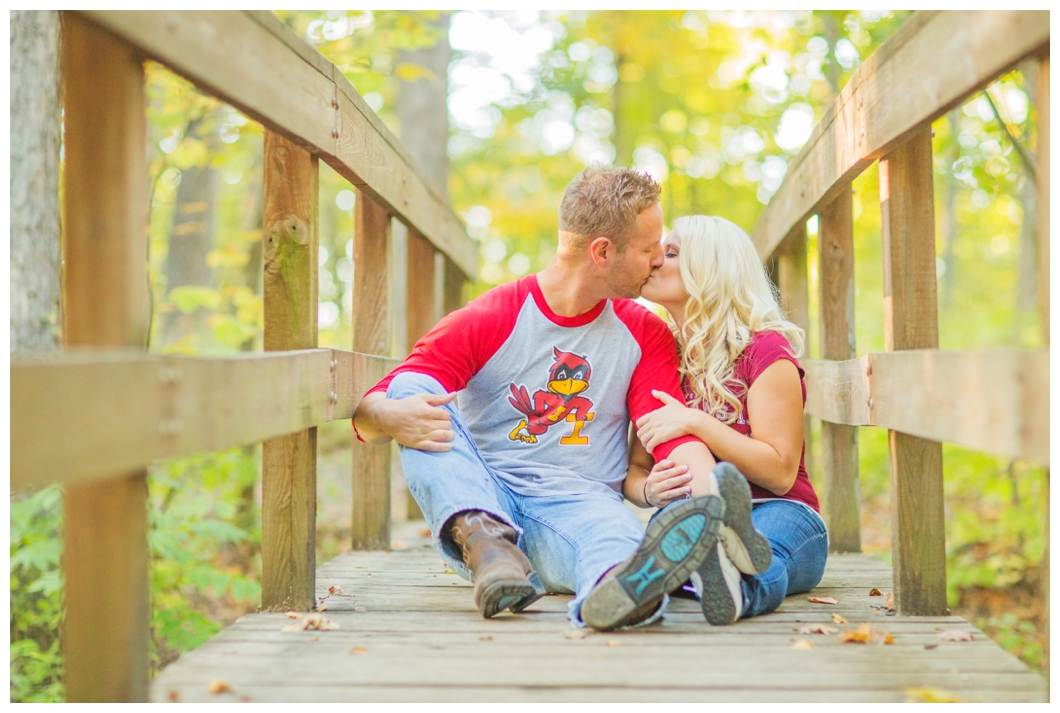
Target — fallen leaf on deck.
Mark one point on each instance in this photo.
(930, 695)
(321, 606)
(358, 651)
(293, 614)
(613, 643)
(875, 593)
(816, 629)
(337, 591)
(244, 699)
(861, 635)
(576, 634)
(398, 545)
(485, 638)
(823, 600)
(802, 645)
(319, 622)
(890, 601)
(425, 532)
(865, 635)
(838, 619)
(174, 697)
(367, 574)
(956, 635)
(931, 646)
(449, 571)
(218, 686)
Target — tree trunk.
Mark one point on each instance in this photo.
(1027, 296)
(35, 138)
(949, 216)
(190, 240)
(422, 111)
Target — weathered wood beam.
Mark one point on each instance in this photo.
(288, 462)
(83, 416)
(910, 321)
(106, 626)
(839, 443)
(909, 81)
(994, 401)
(372, 326)
(254, 62)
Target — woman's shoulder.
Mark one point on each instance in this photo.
(764, 349)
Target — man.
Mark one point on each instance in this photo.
(551, 368)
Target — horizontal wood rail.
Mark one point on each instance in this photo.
(260, 66)
(86, 416)
(995, 401)
(934, 61)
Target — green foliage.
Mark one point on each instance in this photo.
(36, 596)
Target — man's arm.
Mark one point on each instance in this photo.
(700, 462)
(416, 422)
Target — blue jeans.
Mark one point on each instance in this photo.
(800, 548)
(571, 540)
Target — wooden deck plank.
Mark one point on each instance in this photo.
(425, 641)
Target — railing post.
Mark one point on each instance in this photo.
(910, 313)
(792, 279)
(839, 443)
(106, 629)
(371, 335)
(420, 303)
(452, 287)
(288, 463)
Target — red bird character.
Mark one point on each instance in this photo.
(568, 377)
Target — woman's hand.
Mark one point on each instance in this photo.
(664, 424)
(667, 483)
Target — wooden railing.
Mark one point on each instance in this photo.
(94, 416)
(995, 401)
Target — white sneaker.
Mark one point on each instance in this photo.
(746, 547)
(717, 582)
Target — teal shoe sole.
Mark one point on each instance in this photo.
(676, 543)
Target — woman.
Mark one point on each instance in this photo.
(745, 396)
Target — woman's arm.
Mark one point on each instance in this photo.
(770, 458)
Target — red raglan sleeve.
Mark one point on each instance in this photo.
(464, 340)
(657, 368)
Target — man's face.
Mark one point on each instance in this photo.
(642, 256)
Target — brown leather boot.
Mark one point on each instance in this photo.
(502, 574)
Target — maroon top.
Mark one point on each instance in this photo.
(766, 348)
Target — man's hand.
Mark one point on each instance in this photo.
(666, 483)
(665, 424)
(415, 422)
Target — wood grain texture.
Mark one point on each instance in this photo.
(288, 462)
(422, 638)
(839, 443)
(266, 71)
(83, 416)
(453, 288)
(106, 627)
(910, 321)
(994, 401)
(932, 63)
(372, 257)
(421, 310)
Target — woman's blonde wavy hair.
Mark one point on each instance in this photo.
(729, 299)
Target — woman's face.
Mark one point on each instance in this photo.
(665, 286)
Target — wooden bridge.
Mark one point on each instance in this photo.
(94, 418)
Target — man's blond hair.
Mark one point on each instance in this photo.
(606, 200)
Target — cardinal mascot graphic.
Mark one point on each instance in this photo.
(560, 400)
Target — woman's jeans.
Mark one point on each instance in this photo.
(800, 548)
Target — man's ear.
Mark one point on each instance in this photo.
(602, 250)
